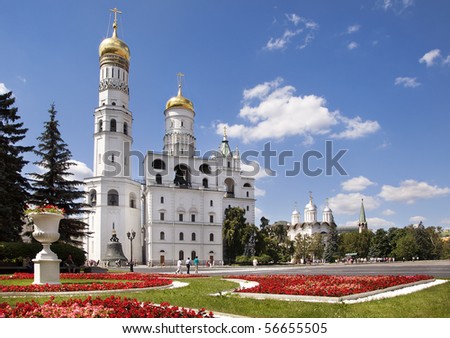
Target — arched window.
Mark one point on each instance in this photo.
(205, 169)
(113, 197)
(159, 164)
(158, 179)
(181, 254)
(181, 236)
(162, 236)
(113, 125)
(205, 183)
(182, 175)
(247, 185)
(193, 237)
(100, 125)
(125, 128)
(230, 187)
(132, 200)
(93, 198)
(247, 194)
(193, 254)
(211, 203)
(162, 199)
(211, 237)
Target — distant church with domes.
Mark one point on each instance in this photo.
(311, 225)
(177, 211)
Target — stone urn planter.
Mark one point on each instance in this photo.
(46, 231)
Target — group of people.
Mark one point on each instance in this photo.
(188, 264)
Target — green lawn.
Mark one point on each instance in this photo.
(433, 302)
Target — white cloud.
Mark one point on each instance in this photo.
(351, 203)
(80, 171)
(373, 223)
(274, 112)
(417, 219)
(408, 82)
(397, 6)
(3, 89)
(356, 184)
(255, 170)
(300, 32)
(281, 42)
(294, 18)
(388, 212)
(259, 192)
(258, 213)
(356, 128)
(353, 29)
(430, 58)
(410, 190)
(352, 45)
(445, 221)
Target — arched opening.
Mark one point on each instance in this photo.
(158, 179)
(93, 198)
(247, 185)
(205, 169)
(162, 236)
(229, 183)
(193, 237)
(211, 237)
(113, 198)
(181, 236)
(100, 125)
(193, 254)
(182, 175)
(125, 128)
(205, 183)
(159, 164)
(181, 255)
(113, 125)
(133, 201)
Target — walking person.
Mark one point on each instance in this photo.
(179, 264)
(255, 263)
(196, 264)
(188, 265)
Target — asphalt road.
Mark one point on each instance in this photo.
(439, 269)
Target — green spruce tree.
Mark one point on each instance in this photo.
(53, 185)
(13, 186)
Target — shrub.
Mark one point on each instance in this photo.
(15, 252)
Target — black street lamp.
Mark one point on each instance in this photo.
(131, 236)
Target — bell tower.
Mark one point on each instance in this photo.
(113, 195)
(113, 120)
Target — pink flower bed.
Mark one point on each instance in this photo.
(125, 281)
(323, 285)
(111, 307)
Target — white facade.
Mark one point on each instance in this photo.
(178, 209)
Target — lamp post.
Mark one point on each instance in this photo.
(131, 236)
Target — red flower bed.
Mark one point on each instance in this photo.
(127, 281)
(323, 285)
(111, 307)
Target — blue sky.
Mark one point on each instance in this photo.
(372, 77)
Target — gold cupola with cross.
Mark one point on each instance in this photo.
(114, 45)
(180, 100)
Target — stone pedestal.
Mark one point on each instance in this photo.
(46, 271)
(46, 263)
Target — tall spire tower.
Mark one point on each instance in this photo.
(362, 224)
(113, 120)
(113, 195)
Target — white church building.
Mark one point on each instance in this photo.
(178, 210)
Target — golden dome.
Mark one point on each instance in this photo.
(114, 45)
(180, 101)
